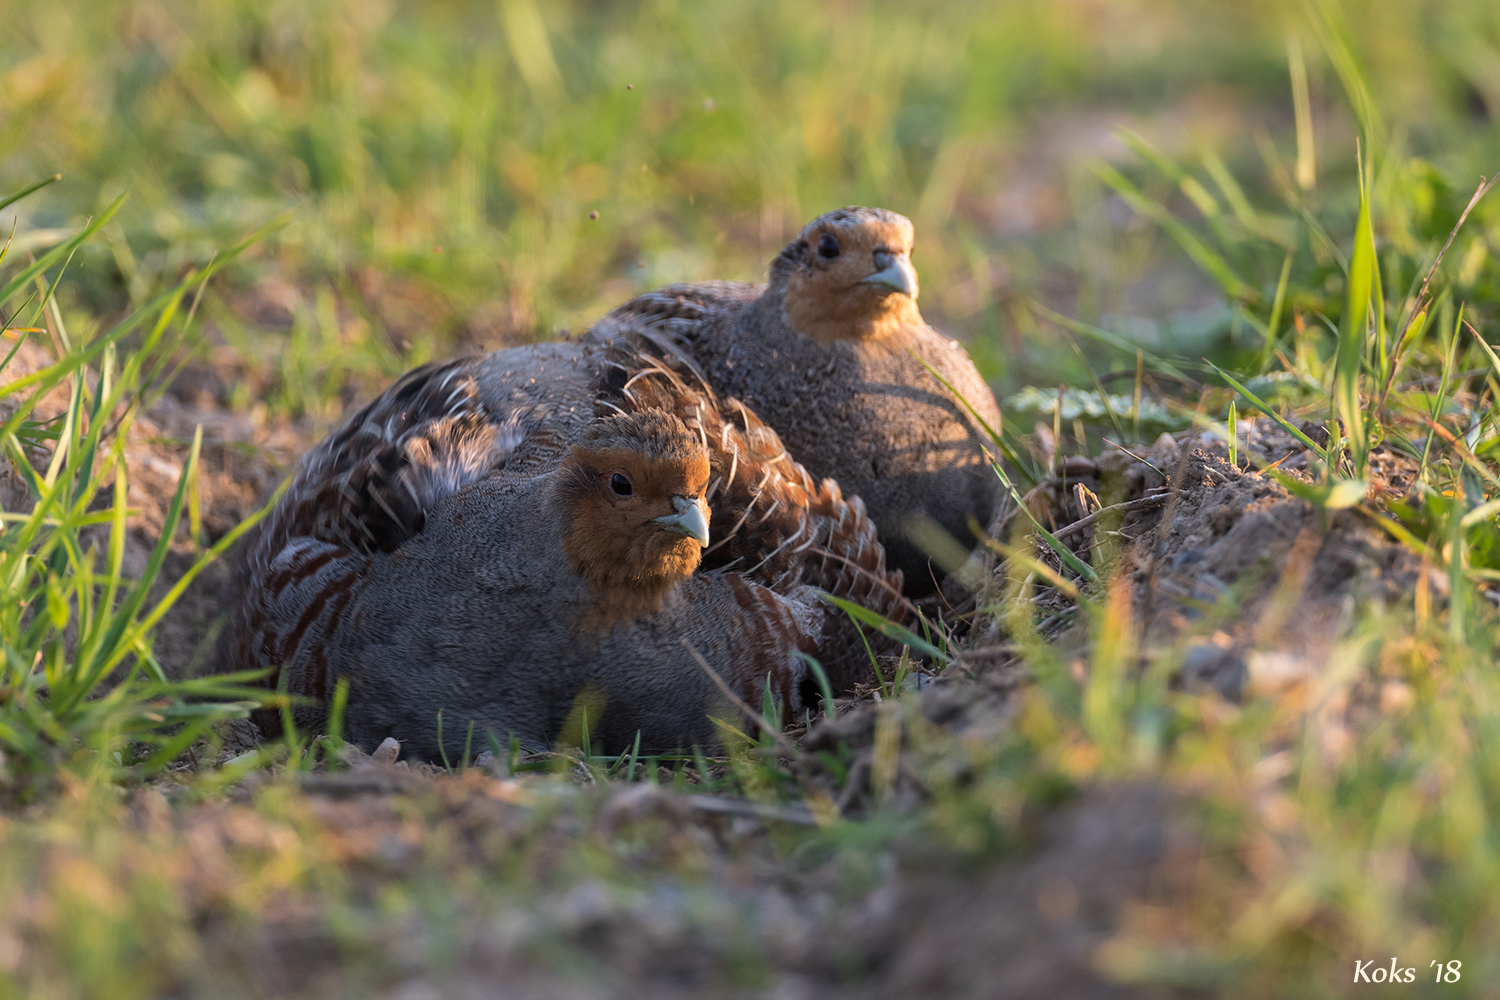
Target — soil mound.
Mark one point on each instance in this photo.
(1257, 582)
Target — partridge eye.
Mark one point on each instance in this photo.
(620, 485)
(828, 247)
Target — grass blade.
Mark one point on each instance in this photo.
(1265, 408)
(1363, 287)
(12, 199)
(1212, 262)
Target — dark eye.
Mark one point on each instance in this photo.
(620, 485)
(828, 247)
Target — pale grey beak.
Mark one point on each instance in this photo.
(689, 519)
(896, 273)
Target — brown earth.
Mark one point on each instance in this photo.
(1250, 585)
(240, 464)
(701, 903)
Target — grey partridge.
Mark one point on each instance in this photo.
(406, 559)
(824, 354)
(770, 519)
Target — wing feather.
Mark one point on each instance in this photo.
(363, 491)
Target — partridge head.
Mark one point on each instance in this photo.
(633, 490)
(849, 277)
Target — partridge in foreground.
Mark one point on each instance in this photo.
(770, 519)
(403, 559)
(824, 354)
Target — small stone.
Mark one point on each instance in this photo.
(387, 752)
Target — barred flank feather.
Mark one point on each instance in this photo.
(365, 490)
(370, 484)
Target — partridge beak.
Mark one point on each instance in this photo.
(689, 520)
(896, 273)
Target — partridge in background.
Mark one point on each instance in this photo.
(823, 354)
(404, 558)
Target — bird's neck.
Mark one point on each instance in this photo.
(625, 582)
(616, 604)
(890, 327)
(619, 593)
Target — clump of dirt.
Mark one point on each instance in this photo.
(1267, 577)
(1252, 584)
(1036, 927)
(239, 466)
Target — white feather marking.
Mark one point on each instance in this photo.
(734, 464)
(637, 377)
(769, 556)
(741, 522)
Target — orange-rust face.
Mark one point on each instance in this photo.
(849, 276)
(633, 487)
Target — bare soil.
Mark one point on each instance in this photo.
(1249, 584)
(708, 906)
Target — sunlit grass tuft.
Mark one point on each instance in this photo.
(81, 686)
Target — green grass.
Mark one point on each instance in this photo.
(80, 682)
(1232, 211)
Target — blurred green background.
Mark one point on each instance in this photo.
(440, 161)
